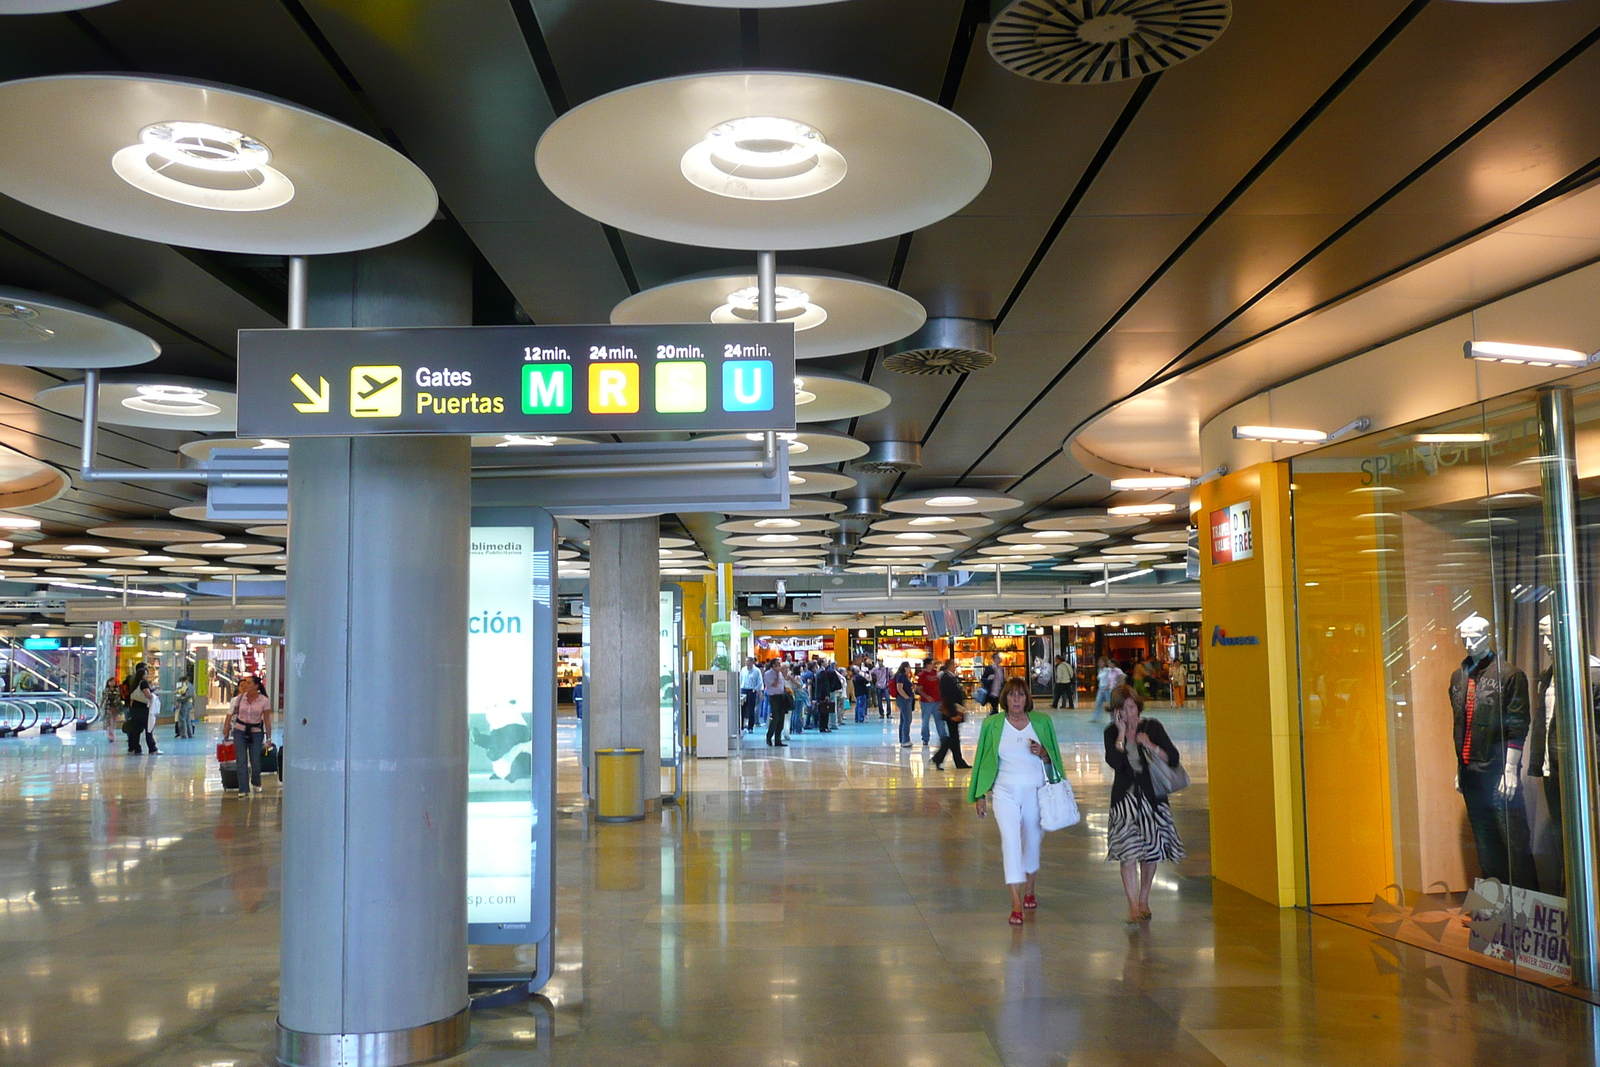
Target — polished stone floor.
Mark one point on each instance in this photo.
(835, 903)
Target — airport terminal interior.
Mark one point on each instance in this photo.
(799, 533)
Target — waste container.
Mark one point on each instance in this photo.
(620, 797)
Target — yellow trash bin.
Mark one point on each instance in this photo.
(620, 797)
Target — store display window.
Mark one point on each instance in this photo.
(1428, 594)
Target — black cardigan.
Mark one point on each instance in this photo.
(1125, 778)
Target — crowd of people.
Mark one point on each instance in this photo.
(1017, 750)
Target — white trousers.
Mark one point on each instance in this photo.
(1016, 813)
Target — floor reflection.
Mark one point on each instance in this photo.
(832, 904)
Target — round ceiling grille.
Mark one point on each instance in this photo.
(1085, 42)
(938, 361)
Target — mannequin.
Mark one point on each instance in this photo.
(1544, 743)
(1490, 702)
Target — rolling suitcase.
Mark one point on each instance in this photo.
(230, 774)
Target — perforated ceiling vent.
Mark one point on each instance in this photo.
(1085, 42)
(938, 361)
(945, 346)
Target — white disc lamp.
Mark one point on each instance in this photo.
(760, 160)
(833, 314)
(37, 330)
(204, 166)
(152, 402)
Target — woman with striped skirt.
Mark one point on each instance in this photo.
(1141, 832)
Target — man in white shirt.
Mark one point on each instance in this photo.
(749, 693)
(777, 691)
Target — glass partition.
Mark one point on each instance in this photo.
(1432, 777)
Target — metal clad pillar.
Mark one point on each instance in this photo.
(1574, 717)
(623, 700)
(374, 948)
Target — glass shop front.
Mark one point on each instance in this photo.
(1445, 587)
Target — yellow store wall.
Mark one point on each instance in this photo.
(1252, 718)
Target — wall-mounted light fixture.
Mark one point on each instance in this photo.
(1291, 435)
(1527, 355)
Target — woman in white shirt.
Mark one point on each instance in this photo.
(250, 723)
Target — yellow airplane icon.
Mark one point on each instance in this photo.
(316, 403)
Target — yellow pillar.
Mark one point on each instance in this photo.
(1252, 716)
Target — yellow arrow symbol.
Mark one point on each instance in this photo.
(317, 403)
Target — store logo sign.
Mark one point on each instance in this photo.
(1219, 636)
(1232, 534)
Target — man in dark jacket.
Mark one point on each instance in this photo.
(828, 684)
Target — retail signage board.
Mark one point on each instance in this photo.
(511, 728)
(1232, 534)
(486, 380)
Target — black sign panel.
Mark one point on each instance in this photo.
(516, 380)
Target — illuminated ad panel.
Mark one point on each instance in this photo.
(482, 380)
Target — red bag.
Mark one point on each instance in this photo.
(225, 752)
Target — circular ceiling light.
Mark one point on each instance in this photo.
(799, 508)
(528, 440)
(932, 524)
(37, 330)
(162, 530)
(850, 314)
(988, 566)
(778, 525)
(813, 481)
(276, 531)
(44, 7)
(19, 522)
(149, 402)
(952, 501)
(808, 448)
(175, 401)
(757, 160)
(786, 541)
(763, 157)
(831, 397)
(1054, 537)
(1019, 550)
(1170, 535)
(906, 550)
(1107, 41)
(204, 166)
(1135, 510)
(1108, 565)
(794, 306)
(80, 548)
(914, 540)
(1096, 521)
(224, 548)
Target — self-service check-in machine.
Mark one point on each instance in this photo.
(716, 713)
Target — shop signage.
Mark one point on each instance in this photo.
(488, 380)
(902, 633)
(1522, 925)
(795, 644)
(1232, 534)
(1219, 636)
(41, 644)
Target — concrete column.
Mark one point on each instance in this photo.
(374, 950)
(624, 689)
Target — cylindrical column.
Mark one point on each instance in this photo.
(374, 928)
(1574, 717)
(623, 702)
(767, 286)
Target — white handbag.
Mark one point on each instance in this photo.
(1057, 807)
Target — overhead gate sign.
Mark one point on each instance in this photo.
(485, 380)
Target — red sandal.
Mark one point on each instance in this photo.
(1030, 903)
(1016, 918)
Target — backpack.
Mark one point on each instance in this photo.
(125, 690)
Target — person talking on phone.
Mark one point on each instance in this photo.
(1140, 831)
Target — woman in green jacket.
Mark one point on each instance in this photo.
(1017, 753)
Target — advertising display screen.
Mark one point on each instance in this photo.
(516, 379)
(510, 712)
(670, 616)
